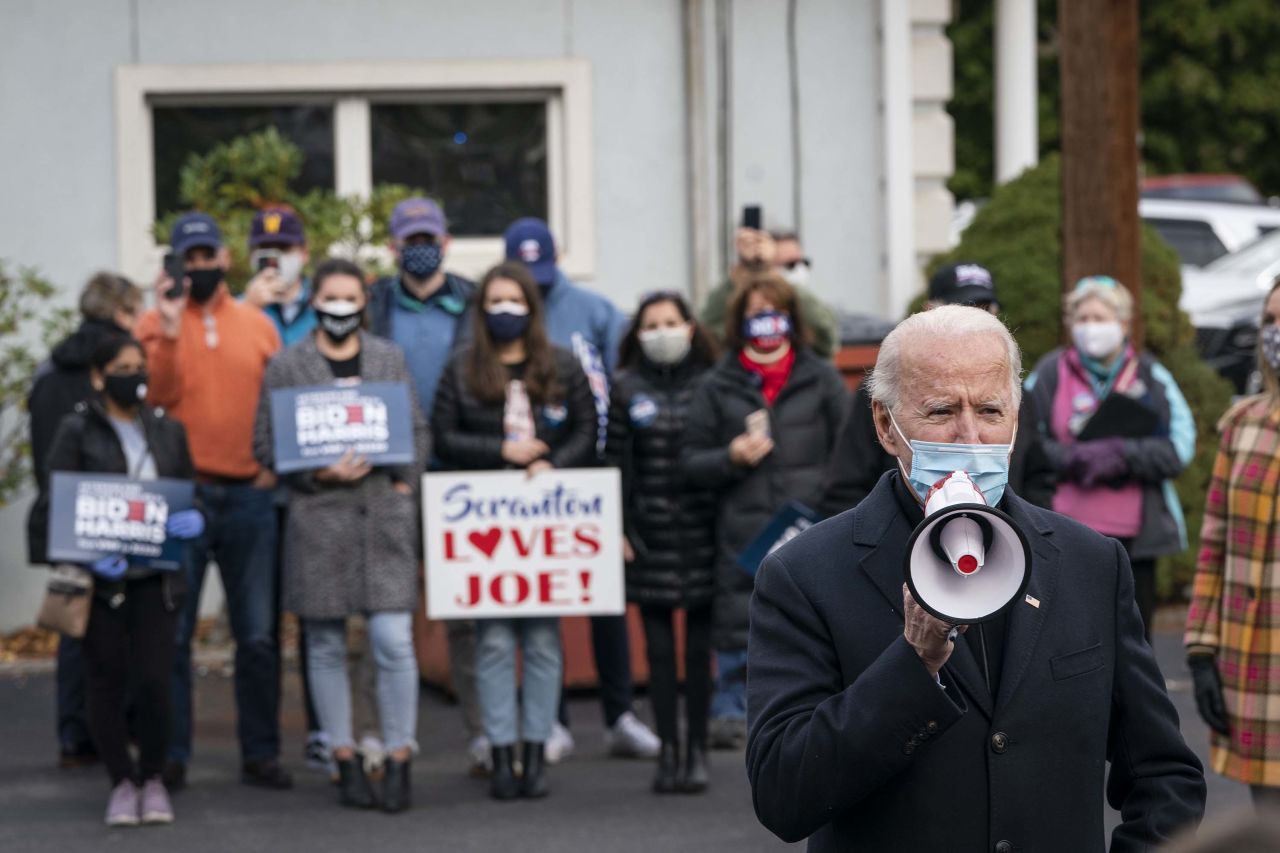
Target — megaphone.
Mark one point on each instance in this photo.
(966, 562)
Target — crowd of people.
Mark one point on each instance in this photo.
(718, 421)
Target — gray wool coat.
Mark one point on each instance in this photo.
(347, 548)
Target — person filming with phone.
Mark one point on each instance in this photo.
(760, 430)
(278, 257)
(207, 355)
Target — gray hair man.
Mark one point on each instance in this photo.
(863, 708)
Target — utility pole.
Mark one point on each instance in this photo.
(1100, 226)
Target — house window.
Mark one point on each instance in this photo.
(180, 132)
(485, 162)
(492, 140)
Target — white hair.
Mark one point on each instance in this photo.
(1106, 290)
(944, 323)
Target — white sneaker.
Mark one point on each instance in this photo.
(373, 754)
(630, 738)
(559, 745)
(479, 757)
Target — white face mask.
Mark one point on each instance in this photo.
(798, 275)
(509, 306)
(666, 346)
(1098, 340)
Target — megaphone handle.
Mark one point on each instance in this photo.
(982, 641)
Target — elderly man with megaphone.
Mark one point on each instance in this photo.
(946, 666)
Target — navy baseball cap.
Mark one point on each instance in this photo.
(529, 241)
(965, 283)
(192, 230)
(417, 216)
(276, 226)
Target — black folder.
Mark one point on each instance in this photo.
(1119, 416)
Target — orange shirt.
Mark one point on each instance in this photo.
(209, 378)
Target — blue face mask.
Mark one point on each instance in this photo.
(986, 464)
(421, 260)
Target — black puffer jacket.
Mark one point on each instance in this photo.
(86, 442)
(468, 433)
(804, 421)
(669, 521)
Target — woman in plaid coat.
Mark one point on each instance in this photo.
(1232, 634)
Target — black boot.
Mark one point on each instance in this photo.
(353, 785)
(395, 786)
(503, 784)
(665, 781)
(696, 775)
(534, 782)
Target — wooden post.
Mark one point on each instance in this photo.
(1100, 226)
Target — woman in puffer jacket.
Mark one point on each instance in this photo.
(669, 520)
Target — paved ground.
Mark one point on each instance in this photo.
(596, 803)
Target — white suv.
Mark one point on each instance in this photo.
(1203, 231)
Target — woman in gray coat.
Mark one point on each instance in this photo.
(351, 540)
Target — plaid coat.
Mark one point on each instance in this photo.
(1235, 605)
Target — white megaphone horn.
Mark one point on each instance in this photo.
(966, 562)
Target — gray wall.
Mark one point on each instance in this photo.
(57, 211)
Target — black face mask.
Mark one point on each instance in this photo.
(125, 391)
(339, 327)
(204, 283)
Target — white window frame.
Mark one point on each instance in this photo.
(564, 84)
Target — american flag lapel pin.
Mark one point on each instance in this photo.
(1033, 601)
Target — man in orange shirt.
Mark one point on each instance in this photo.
(207, 354)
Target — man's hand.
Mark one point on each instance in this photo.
(748, 449)
(523, 452)
(628, 553)
(402, 488)
(170, 310)
(264, 288)
(537, 466)
(349, 469)
(928, 635)
(265, 479)
(755, 248)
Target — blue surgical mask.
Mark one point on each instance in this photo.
(986, 464)
(421, 260)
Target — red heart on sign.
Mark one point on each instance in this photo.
(487, 541)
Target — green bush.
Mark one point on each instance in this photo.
(1018, 237)
(241, 176)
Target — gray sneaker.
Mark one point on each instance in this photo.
(155, 802)
(122, 808)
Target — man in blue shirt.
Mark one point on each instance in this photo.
(592, 327)
(278, 255)
(424, 310)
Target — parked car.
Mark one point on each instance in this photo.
(1224, 301)
(1234, 189)
(1203, 231)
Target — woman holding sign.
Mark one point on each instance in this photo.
(761, 428)
(670, 524)
(351, 539)
(129, 643)
(511, 400)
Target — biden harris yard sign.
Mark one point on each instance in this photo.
(314, 426)
(99, 515)
(499, 543)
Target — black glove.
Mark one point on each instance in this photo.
(1208, 690)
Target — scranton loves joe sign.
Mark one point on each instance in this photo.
(98, 515)
(501, 544)
(314, 426)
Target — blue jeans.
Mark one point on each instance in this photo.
(539, 642)
(391, 638)
(730, 699)
(240, 535)
(73, 724)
